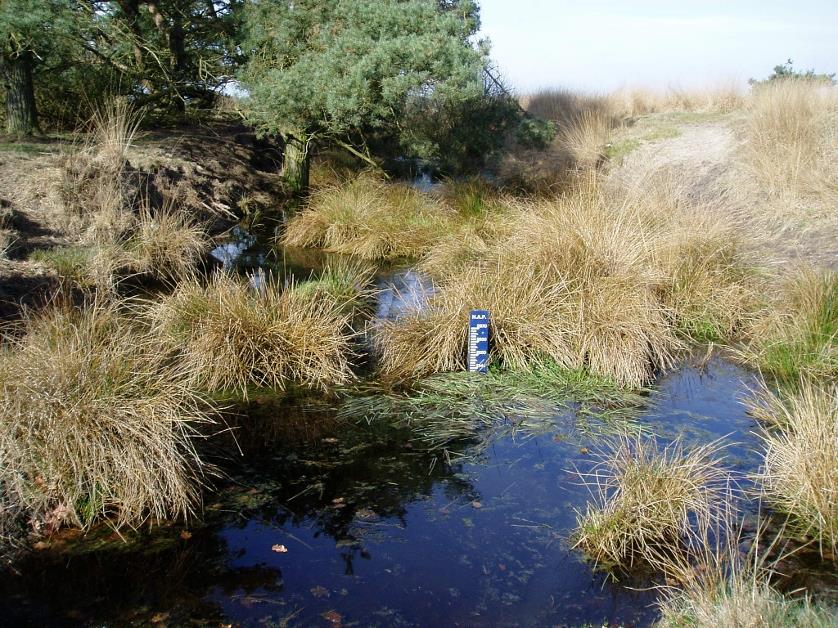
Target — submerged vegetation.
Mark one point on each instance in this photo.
(446, 411)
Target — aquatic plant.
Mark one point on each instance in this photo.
(95, 423)
(800, 475)
(368, 218)
(646, 497)
(445, 411)
(228, 335)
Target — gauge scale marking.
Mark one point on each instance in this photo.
(478, 341)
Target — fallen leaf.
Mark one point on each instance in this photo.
(186, 535)
(333, 617)
(320, 592)
(280, 549)
(584, 450)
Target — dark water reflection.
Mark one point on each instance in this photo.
(378, 534)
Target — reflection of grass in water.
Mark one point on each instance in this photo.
(455, 408)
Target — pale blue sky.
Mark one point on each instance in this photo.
(601, 45)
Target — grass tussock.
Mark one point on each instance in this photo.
(796, 334)
(102, 200)
(163, 245)
(609, 280)
(583, 126)
(791, 145)
(719, 586)
(645, 497)
(92, 187)
(348, 282)
(229, 336)
(368, 218)
(166, 244)
(95, 424)
(586, 137)
(800, 475)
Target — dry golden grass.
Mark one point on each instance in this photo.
(714, 583)
(564, 106)
(721, 587)
(586, 136)
(791, 135)
(368, 218)
(800, 474)
(92, 187)
(645, 498)
(348, 282)
(630, 103)
(166, 244)
(229, 336)
(609, 279)
(95, 423)
(796, 332)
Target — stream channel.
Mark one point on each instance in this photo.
(329, 523)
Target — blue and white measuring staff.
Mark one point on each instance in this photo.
(478, 341)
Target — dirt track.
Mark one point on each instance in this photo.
(706, 159)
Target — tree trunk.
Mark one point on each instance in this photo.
(21, 114)
(295, 165)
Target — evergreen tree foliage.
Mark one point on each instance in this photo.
(350, 70)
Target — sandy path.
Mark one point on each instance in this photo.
(705, 159)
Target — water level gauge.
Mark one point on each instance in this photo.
(478, 341)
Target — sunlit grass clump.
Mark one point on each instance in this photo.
(796, 334)
(347, 282)
(791, 137)
(164, 245)
(95, 423)
(612, 279)
(229, 335)
(645, 497)
(800, 474)
(721, 587)
(368, 218)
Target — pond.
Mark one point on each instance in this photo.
(353, 525)
(373, 533)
